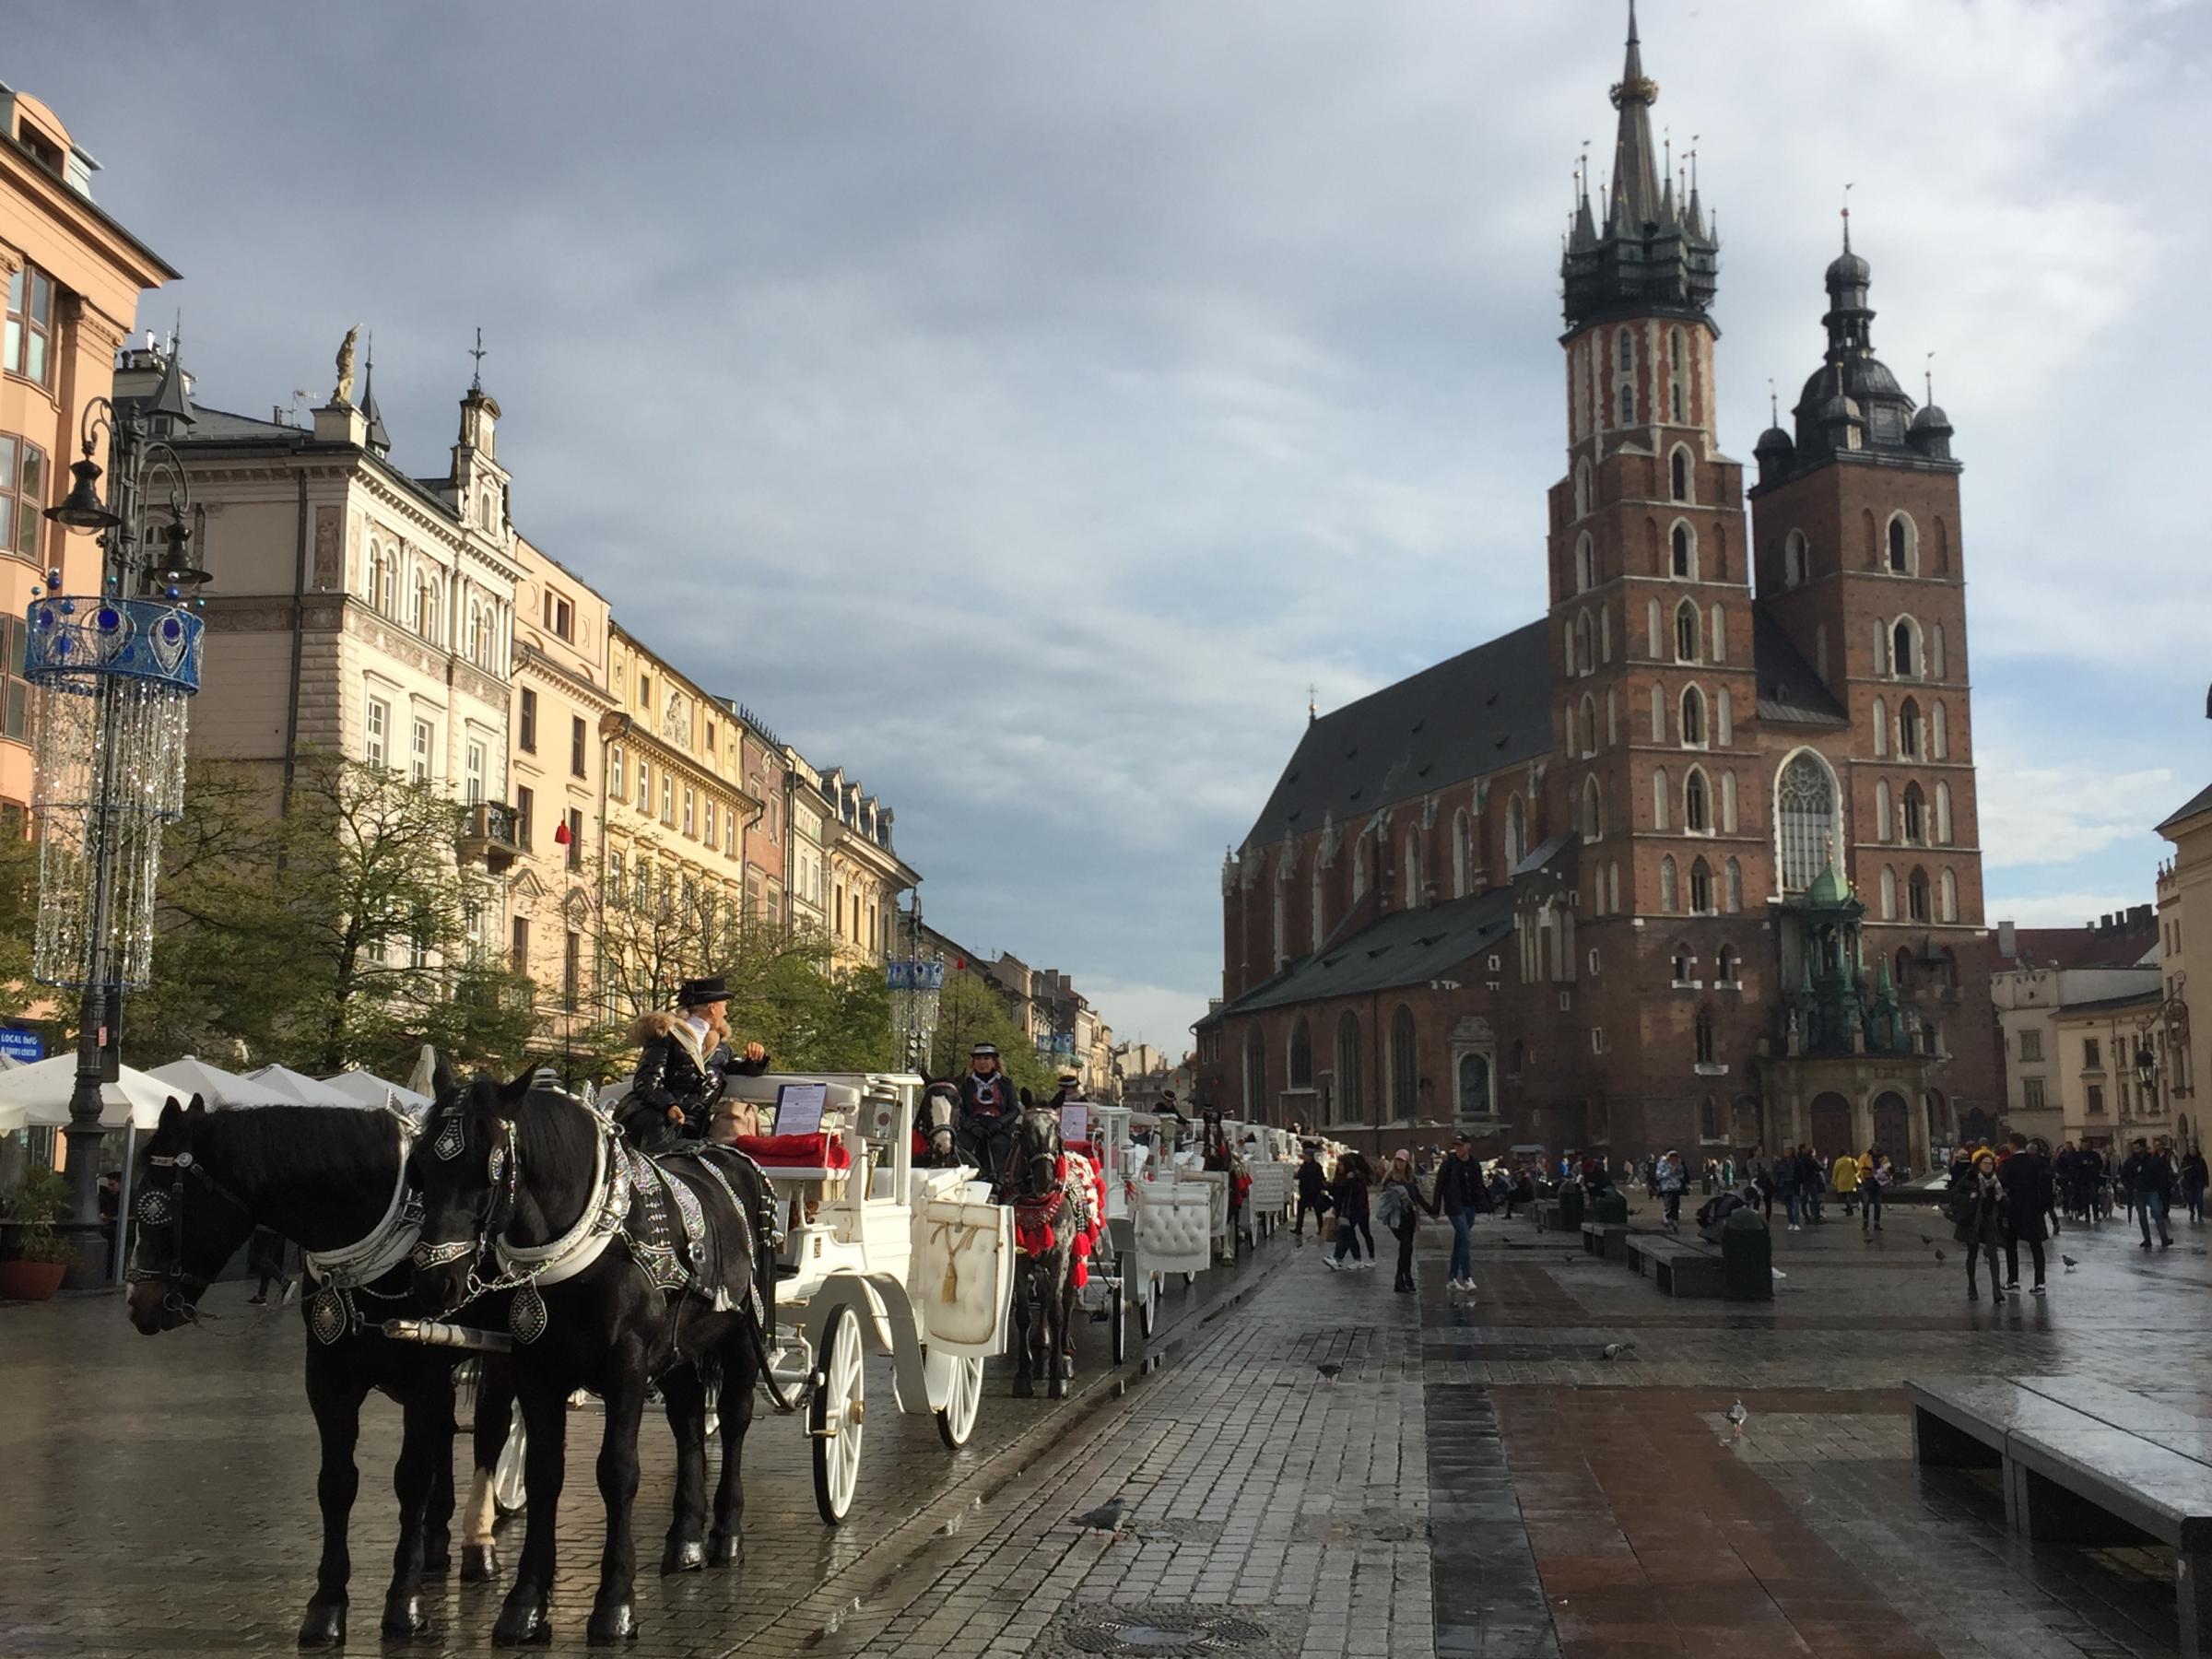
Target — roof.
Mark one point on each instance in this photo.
(1789, 691)
(2085, 946)
(1477, 713)
(2199, 802)
(2113, 1005)
(1405, 947)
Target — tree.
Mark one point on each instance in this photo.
(971, 1011)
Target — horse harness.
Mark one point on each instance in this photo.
(161, 1210)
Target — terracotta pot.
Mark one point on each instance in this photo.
(30, 1281)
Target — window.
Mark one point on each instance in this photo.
(644, 786)
(419, 765)
(1900, 544)
(1654, 638)
(576, 742)
(1678, 467)
(15, 691)
(375, 731)
(690, 811)
(1935, 653)
(2096, 1099)
(1351, 1075)
(1701, 888)
(1707, 1039)
(29, 343)
(713, 837)
(1668, 899)
(1916, 896)
(1662, 789)
(1255, 1075)
(1720, 633)
(1583, 572)
(1594, 811)
(1516, 833)
(525, 799)
(1804, 819)
(1627, 406)
(1585, 659)
(1697, 804)
(1589, 725)
(527, 722)
(1685, 633)
(1889, 894)
(2032, 1093)
(1582, 488)
(645, 691)
(1731, 968)
(560, 616)
(575, 837)
(1728, 803)
(617, 894)
(1625, 343)
(1680, 960)
(1914, 818)
(1939, 734)
(1403, 1080)
(1905, 649)
(616, 781)
(518, 959)
(1947, 890)
(1943, 814)
(668, 800)
(1723, 729)
(1693, 717)
(1908, 729)
(1685, 550)
(1462, 866)
(2092, 1054)
(2031, 1044)
(1709, 1119)
(571, 968)
(1793, 558)
(1881, 810)
(1302, 1054)
(22, 497)
(1734, 894)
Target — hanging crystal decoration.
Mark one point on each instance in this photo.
(114, 678)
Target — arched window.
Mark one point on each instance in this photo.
(1905, 649)
(1709, 1119)
(1625, 343)
(1282, 922)
(1351, 1074)
(1463, 855)
(1585, 659)
(1685, 633)
(1583, 575)
(1359, 856)
(1680, 961)
(1913, 819)
(1939, 734)
(1678, 468)
(1589, 725)
(1708, 1038)
(1903, 545)
(1668, 900)
(1724, 731)
(1627, 406)
(1889, 894)
(1804, 819)
(1701, 887)
(1255, 1075)
(1720, 633)
(1908, 729)
(1661, 809)
(1936, 667)
(1943, 813)
(1594, 811)
(1302, 1054)
(1733, 900)
(1613, 886)
(1949, 890)
(1881, 810)
(1413, 870)
(1404, 1073)
(1693, 717)
(1320, 901)
(1658, 713)
(1581, 487)
(1673, 350)
(1881, 728)
(1474, 1086)
(1916, 895)
(1730, 967)
(1684, 540)
(1728, 803)
(1651, 617)
(1794, 559)
(1697, 804)
(1516, 834)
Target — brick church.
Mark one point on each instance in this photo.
(1693, 860)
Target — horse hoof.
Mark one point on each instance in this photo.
(724, 1550)
(522, 1624)
(479, 1563)
(1067, 1365)
(404, 1620)
(1057, 1388)
(689, 1556)
(612, 1624)
(324, 1626)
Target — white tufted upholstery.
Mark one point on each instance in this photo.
(1270, 1186)
(1174, 1227)
(963, 1278)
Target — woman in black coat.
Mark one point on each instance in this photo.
(1977, 1210)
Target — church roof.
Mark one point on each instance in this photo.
(1405, 947)
(1790, 693)
(1470, 714)
(2199, 802)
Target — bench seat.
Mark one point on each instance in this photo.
(1677, 1266)
(1598, 1237)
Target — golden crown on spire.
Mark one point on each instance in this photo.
(1644, 89)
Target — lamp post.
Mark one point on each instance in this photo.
(115, 670)
(2146, 1074)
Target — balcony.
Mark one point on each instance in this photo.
(488, 832)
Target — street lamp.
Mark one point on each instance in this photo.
(115, 670)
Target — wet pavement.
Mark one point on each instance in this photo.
(1308, 1466)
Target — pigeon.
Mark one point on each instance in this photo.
(1106, 1518)
(2070, 1262)
(1614, 1350)
(1571, 1258)
(1941, 1257)
(1736, 1414)
(1924, 1239)
(1330, 1372)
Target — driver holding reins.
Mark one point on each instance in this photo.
(989, 1111)
(684, 1057)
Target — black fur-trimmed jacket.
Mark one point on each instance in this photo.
(672, 1071)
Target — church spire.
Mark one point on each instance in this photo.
(1635, 168)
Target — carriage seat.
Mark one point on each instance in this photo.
(818, 1157)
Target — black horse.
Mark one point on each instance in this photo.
(329, 1181)
(614, 1289)
(1049, 1210)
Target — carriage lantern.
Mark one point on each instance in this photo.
(114, 671)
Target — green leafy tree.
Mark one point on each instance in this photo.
(971, 1011)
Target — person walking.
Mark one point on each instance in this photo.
(2026, 1176)
(1313, 1193)
(1398, 1205)
(1782, 1168)
(1844, 1178)
(1348, 1193)
(1977, 1210)
(1459, 1197)
(2194, 1178)
(2149, 1174)
(1875, 1176)
(1668, 1180)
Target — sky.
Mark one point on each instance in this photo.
(1021, 405)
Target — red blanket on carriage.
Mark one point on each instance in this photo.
(821, 1150)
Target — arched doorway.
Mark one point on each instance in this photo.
(1832, 1124)
(1892, 1125)
(1976, 1127)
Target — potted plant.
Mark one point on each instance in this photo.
(41, 1254)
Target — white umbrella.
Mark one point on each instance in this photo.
(39, 1094)
(191, 1076)
(367, 1089)
(423, 1079)
(300, 1088)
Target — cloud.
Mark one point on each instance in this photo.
(2057, 814)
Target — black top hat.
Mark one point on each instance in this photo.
(699, 993)
(983, 1051)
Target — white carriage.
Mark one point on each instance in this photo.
(1272, 1166)
(917, 1261)
(1171, 1213)
(1101, 1135)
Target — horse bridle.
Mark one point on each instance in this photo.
(502, 1169)
(160, 1209)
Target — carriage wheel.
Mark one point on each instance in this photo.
(508, 1489)
(836, 1418)
(1148, 1304)
(1121, 1323)
(956, 1422)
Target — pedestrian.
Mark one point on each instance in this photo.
(1365, 1218)
(1844, 1178)
(2194, 1177)
(1977, 1211)
(1668, 1179)
(1812, 1175)
(2026, 1176)
(1458, 1191)
(1348, 1193)
(1782, 1169)
(2149, 1176)
(1398, 1205)
(1312, 1192)
(2089, 1184)
(1875, 1176)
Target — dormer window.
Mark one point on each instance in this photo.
(41, 148)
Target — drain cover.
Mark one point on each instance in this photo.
(1171, 1632)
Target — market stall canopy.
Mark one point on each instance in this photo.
(191, 1076)
(365, 1088)
(38, 1095)
(300, 1088)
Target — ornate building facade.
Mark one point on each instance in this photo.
(1693, 860)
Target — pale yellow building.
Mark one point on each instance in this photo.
(2105, 1100)
(865, 874)
(2185, 929)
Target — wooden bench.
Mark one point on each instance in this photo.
(1599, 1237)
(1677, 1266)
(2083, 1462)
(1545, 1212)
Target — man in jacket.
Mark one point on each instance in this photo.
(2026, 1177)
(1460, 1198)
(2149, 1176)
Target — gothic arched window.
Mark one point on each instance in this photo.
(1516, 833)
(1693, 717)
(1589, 725)
(1301, 1055)
(1684, 542)
(1582, 563)
(1708, 1038)
(1351, 1075)
(1685, 633)
(1915, 817)
(1905, 649)
(1404, 1075)
(1733, 898)
(1701, 888)
(1594, 811)
(1463, 855)
(1626, 343)
(1901, 545)
(1255, 1075)
(1627, 406)
(1908, 729)
(1668, 898)
(1916, 895)
(1804, 819)
(1697, 804)
(1793, 558)
(1678, 472)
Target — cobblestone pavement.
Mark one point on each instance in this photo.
(1306, 1464)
